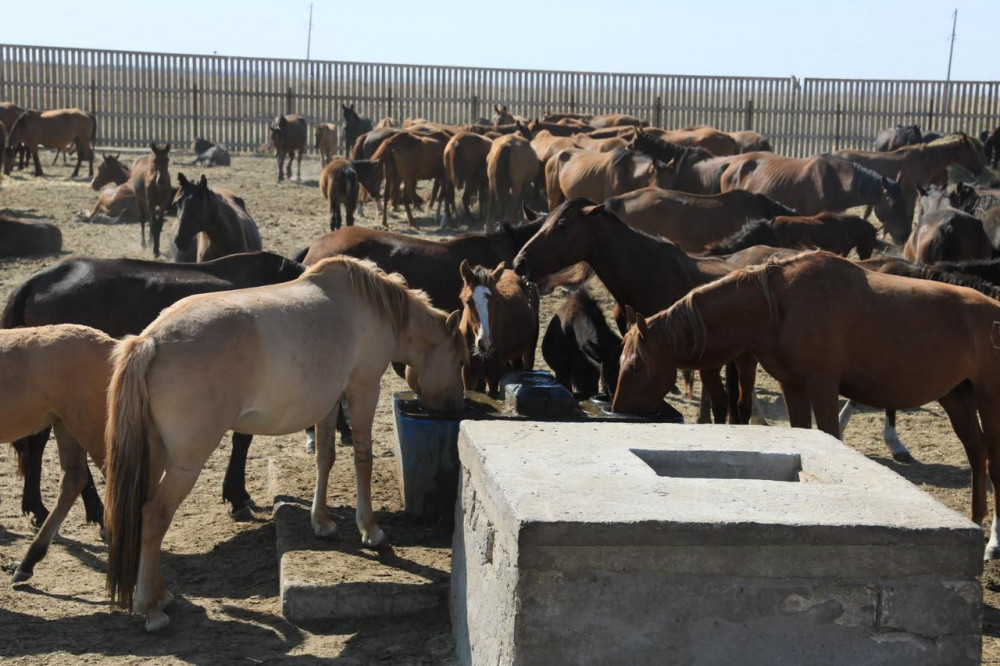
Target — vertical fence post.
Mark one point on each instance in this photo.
(473, 108)
(194, 112)
(836, 137)
(289, 101)
(930, 115)
(748, 115)
(388, 95)
(658, 113)
(572, 102)
(93, 95)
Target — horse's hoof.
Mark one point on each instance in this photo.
(992, 552)
(347, 441)
(156, 620)
(375, 540)
(325, 530)
(21, 576)
(904, 457)
(311, 446)
(242, 513)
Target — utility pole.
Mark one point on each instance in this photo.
(951, 51)
(310, 37)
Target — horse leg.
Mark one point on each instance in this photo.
(363, 403)
(746, 369)
(797, 402)
(959, 405)
(891, 437)
(30, 452)
(868, 211)
(990, 419)
(143, 218)
(93, 507)
(38, 164)
(845, 415)
(298, 167)
(234, 488)
(411, 191)
(344, 424)
(687, 377)
(73, 461)
(326, 454)
(385, 201)
(79, 161)
(711, 383)
(334, 213)
(823, 393)
(281, 165)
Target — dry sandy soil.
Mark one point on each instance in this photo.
(224, 572)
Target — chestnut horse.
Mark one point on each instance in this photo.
(692, 220)
(860, 340)
(150, 180)
(327, 137)
(216, 224)
(576, 173)
(499, 322)
(511, 168)
(56, 376)
(697, 170)
(117, 201)
(267, 361)
(834, 232)
(646, 272)
(54, 129)
(406, 158)
(338, 181)
(288, 136)
(704, 137)
(465, 167)
(944, 233)
(819, 183)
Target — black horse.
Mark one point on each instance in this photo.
(580, 347)
(121, 297)
(354, 126)
(896, 137)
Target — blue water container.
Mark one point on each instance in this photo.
(538, 394)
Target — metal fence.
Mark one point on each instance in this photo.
(143, 97)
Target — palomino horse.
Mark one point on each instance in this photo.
(327, 137)
(150, 180)
(834, 232)
(338, 181)
(18, 239)
(944, 233)
(268, 361)
(580, 347)
(646, 272)
(429, 265)
(54, 129)
(288, 136)
(219, 223)
(56, 376)
(575, 173)
(819, 183)
(511, 167)
(859, 340)
(406, 158)
(465, 167)
(693, 221)
(354, 126)
(499, 322)
(121, 297)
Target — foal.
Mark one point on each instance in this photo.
(500, 323)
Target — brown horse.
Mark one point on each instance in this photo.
(117, 201)
(580, 347)
(698, 171)
(288, 136)
(871, 337)
(616, 120)
(499, 322)
(646, 272)
(150, 180)
(545, 144)
(704, 137)
(465, 167)
(576, 173)
(220, 225)
(944, 233)
(18, 239)
(406, 158)
(750, 141)
(54, 129)
(511, 167)
(834, 232)
(693, 221)
(268, 361)
(327, 138)
(56, 376)
(501, 115)
(820, 183)
(338, 181)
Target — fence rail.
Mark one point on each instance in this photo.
(143, 97)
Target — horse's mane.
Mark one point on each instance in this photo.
(754, 232)
(987, 270)
(387, 292)
(868, 183)
(681, 320)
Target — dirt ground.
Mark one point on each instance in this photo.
(224, 572)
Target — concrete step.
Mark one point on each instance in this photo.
(329, 579)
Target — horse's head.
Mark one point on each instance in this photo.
(562, 240)
(502, 117)
(894, 212)
(437, 377)
(110, 170)
(479, 298)
(933, 198)
(645, 374)
(964, 197)
(161, 156)
(523, 130)
(350, 115)
(277, 128)
(201, 145)
(192, 202)
(970, 155)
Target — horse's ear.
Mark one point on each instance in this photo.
(167, 149)
(498, 271)
(594, 210)
(640, 324)
(466, 271)
(118, 156)
(629, 315)
(152, 146)
(182, 180)
(203, 183)
(453, 320)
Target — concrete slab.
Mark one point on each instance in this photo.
(337, 578)
(606, 543)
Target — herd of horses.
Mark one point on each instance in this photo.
(743, 257)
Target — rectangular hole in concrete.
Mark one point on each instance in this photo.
(723, 464)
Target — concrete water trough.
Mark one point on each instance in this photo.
(603, 543)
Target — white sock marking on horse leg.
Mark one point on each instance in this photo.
(845, 416)
(994, 543)
(891, 438)
(481, 296)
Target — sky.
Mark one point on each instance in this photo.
(806, 38)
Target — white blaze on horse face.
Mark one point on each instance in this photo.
(481, 297)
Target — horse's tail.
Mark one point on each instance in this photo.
(13, 312)
(93, 133)
(350, 188)
(127, 467)
(453, 169)
(498, 173)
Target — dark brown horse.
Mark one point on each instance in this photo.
(697, 170)
(580, 347)
(354, 126)
(896, 137)
(944, 233)
(861, 339)
(54, 129)
(338, 181)
(288, 134)
(150, 180)
(18, 239)
(210, 224)
(693, 221)
(501, 115)
(820, 183)
(834, 232)
(646, 272)
(499, 322)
